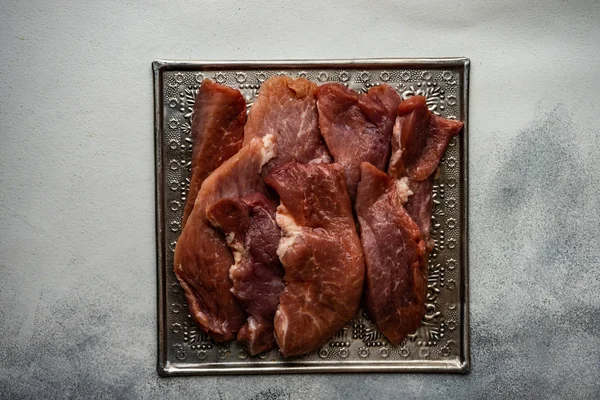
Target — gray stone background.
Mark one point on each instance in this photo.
(77, 251)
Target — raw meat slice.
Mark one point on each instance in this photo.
(419, 207)
(396, 278)
(202, 259)
(419, 140)
(287, 109)
(320, 252)
(257, 274)
(357, 127)
(217, 133)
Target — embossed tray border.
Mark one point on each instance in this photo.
(165, 367)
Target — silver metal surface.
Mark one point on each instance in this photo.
(442, 342)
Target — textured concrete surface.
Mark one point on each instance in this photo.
(77, 256)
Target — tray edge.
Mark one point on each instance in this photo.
(465, 328)
(164, 367)
(166, 64)
(449, 367)
(162, 362)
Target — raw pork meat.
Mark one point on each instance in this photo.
(217, 133)
(357, 127)
(396, 278)
(321, 254)
(420, 139)
(419, 207)
(202, 259)
(257, 275)
(287, 109)
(418, 144)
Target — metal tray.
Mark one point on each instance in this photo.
(442, 342)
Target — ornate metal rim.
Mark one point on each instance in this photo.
(167, 368)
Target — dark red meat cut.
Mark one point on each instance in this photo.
(202, 259)
(217, 133)
(321, 254)
(419, 207)
(287, 109)
(419, 140)
(357, 127)
(257, 274)
(396, 277)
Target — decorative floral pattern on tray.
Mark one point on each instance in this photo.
(439, 337)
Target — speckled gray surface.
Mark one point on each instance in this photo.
(77, 257)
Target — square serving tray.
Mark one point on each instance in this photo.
(441, 344)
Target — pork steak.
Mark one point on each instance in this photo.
(257, 274)
(217, 133)
(287, 109)
(357, 127)
(419, 139)
(419, 142)
(202, 259)
(396, 276)
(320, 252)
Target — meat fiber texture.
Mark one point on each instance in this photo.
(419, 142)
(217, 133)
(396, 275)
(357, 127)
(287, 109)
(419, 139)
(202, 259)
(321, 254)
(257, 274)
